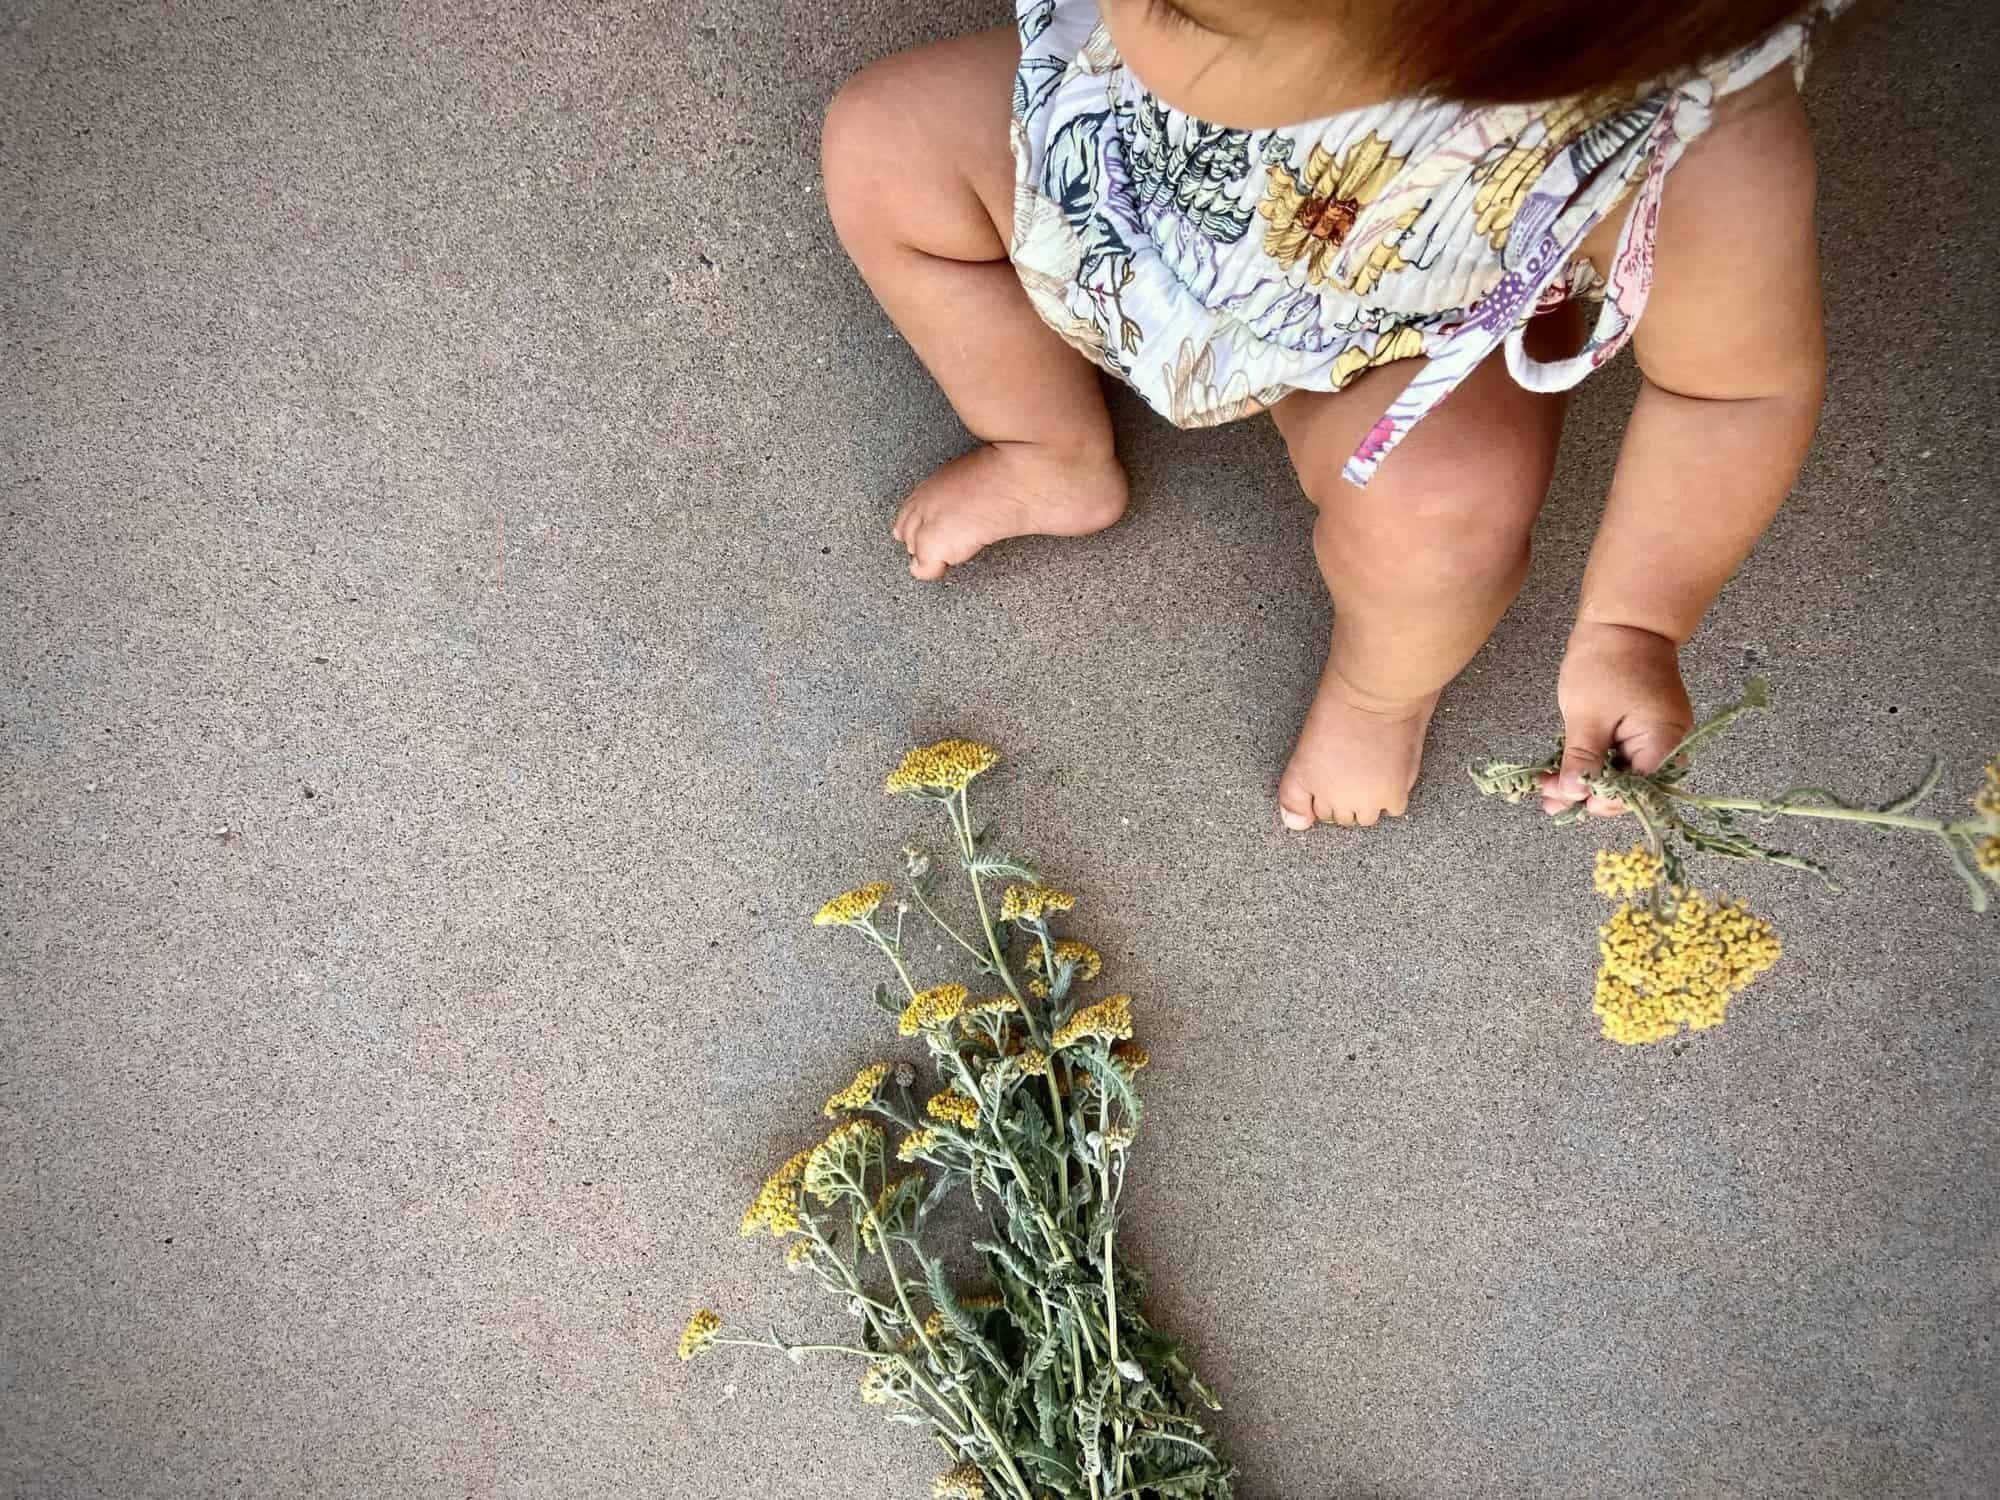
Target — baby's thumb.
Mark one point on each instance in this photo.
(1584, 749)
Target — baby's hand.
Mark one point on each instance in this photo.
(1620, 689)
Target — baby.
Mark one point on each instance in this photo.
(1344, 214)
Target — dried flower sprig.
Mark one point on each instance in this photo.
(1671, 957)
(1672, 816)
(1054, 1385)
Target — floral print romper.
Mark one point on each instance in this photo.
(1215, 270)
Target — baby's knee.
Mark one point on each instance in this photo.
(855, 137)
(1458, 518)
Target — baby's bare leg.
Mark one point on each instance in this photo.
(1421, 566)
(920, 183)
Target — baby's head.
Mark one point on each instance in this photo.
(1257, 63)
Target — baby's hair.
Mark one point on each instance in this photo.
(1524, 51)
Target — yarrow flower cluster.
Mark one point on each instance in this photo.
(777, 1204)
(962, 1483)
(931, 1008)
(959, 1109)
(852, 908)
(1635, 871)
(1029, 903)
(860, 1093)
(1110, 1020)
(700, 1334)
(1986, 802)
(1130, 1057)
(1083, 961)
(878, 1384)
(944, 767)
(1031, 1118)
(1660, 974)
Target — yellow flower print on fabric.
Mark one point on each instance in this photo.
(1399, 343)
(1310, 218)
(1505, 181)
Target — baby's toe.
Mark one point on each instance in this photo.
(1295, 804)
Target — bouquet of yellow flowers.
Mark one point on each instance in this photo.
(1047, 1383)
(1672, 957)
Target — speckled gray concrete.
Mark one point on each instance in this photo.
(450, 639)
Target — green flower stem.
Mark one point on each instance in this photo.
(779, 1347)
(896, 958)
(945, 927)
(946, 1409)
(1061, 1124)
(972, 1410)
(961, 819)
(971, 1407)
(1839, 814)
(1083, 1326)
(1110, 1273)
(1062, 1120)
(845, 1289)
(961, 822)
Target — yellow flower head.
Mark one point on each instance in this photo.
(1130, 1057)
(1109, 1020)
(777, 1205)
(700, 1334)
(860, 1093)
(953, 1106)
(840, 1160)
(1987, 799)
(852, 908)
(798, 1254)
(944, 767)
(937, 1006)
(1986, 853)
(1033, 1061)
(1084, 962)
(962, 1483)
(1026, 903)
(1658, 975)
(916, 1143)
(878, 1384)
(992, 1005)
(1635, 871)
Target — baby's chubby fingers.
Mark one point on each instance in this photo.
(1584, 747)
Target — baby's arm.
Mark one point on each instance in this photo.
(1733, 351)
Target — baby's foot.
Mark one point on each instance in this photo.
(1356, 759)
(1007, 489)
